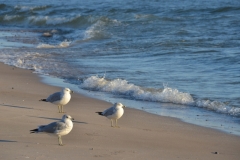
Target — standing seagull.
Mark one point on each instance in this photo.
(59, 98)
(114, 113)
(60, 128)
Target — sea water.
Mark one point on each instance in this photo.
(171, 58)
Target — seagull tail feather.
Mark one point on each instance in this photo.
(34, 130)
(100, 113)
(45, 100)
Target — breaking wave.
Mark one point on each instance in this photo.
(165, 95)
(61, 45)
(122, 87)
(99, 29)
(217, 106)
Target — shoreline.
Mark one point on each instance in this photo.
(192, 115)
(142, 135)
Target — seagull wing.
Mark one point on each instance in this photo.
(53, 127)
(54, 97)
(109, 111)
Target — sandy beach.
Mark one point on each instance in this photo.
(141, 135)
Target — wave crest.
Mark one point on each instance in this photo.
(122, 87)
(167, 94)
(63, 44)
(218, 107)
(96, 31)
(31, 8)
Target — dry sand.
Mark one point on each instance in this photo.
(141, 136)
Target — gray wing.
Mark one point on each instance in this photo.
(54, 97)
(109, 111)
(53, 127)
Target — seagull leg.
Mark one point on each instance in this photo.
(60, 141)
(116, 125)
(59, 109)
(112, 123)
(62, 109)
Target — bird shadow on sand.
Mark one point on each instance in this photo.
(6, 105)
(58, 119)
(3, 140)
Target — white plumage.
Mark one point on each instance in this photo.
(113, 113)
(59, 98)
(60, 128)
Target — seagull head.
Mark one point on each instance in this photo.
(66, 90)
(119, 105)
(66, 117)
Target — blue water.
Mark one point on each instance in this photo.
(177, 58)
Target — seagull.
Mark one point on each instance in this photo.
(59, 98)
(113, 113)
(60, 128)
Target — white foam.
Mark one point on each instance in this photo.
(144, 16)
(52, 20)
(9, 18)
(122, 87)
(26, 8)
(63, 44)
(99, 29)
(21, 60)
(167, 94)
(23, 8)
(96, 31)
(218, 107)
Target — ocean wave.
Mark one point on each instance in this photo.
(165, 95)
(122, 87)
(2, 6)
(53, 20)
(73, 21)
(31, 8)
(60, 45)
(99, 28)
(11, 17)
(146, 16)
(97, 31)
(21, 60)
(225, 9)
(48, 16)
(218, 107)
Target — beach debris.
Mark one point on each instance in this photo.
(113, 113)
(59, 98)
(59, 128)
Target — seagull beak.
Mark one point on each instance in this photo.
(72, 92)
(72, 119)
(124, 106)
